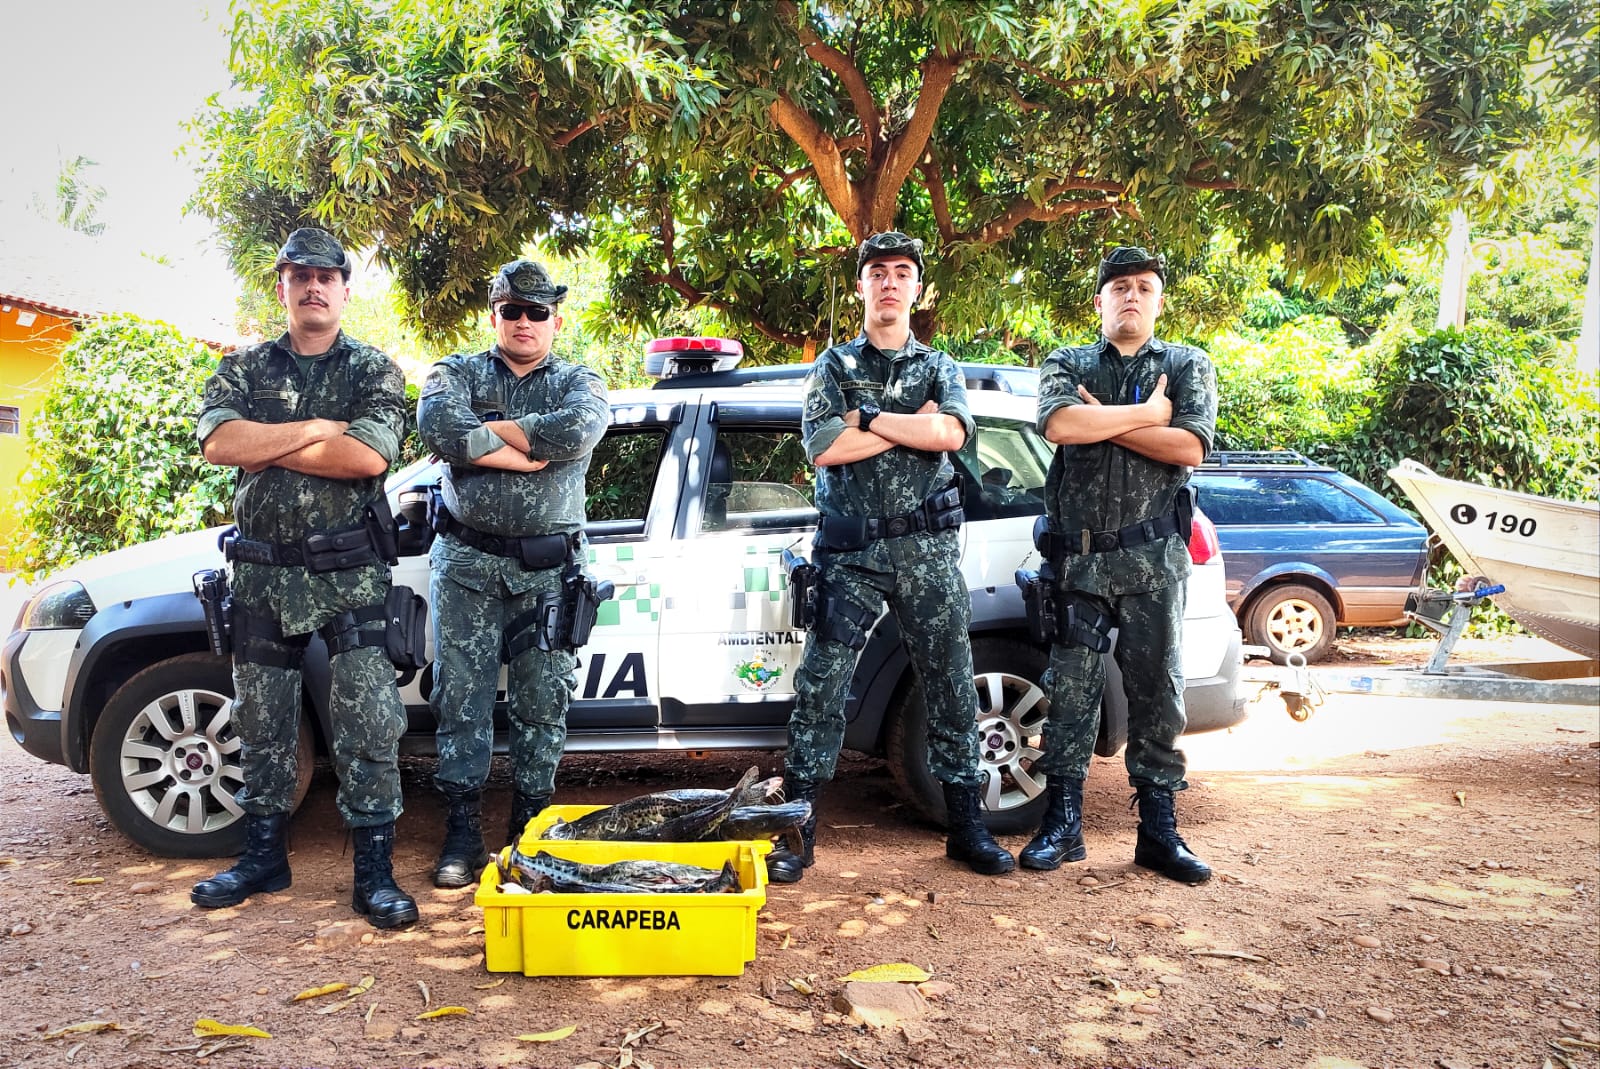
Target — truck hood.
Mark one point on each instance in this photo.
(165, 566)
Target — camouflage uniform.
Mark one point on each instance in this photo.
(1103, 487)
(474, 594)
(354, 383)
(918, 574)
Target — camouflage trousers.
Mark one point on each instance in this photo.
(925, 591)
(367, 720)
(1149, 652)
(469, 630)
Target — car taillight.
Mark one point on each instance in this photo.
(1203, 544)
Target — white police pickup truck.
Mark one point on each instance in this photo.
(695, 491)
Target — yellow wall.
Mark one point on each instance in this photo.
(28, 354)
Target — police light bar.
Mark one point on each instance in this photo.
(666, 358)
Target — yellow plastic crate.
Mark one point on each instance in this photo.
(626, 934)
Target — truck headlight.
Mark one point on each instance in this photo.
(58, 607)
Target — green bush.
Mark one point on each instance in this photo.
(1298, 386)
(113, 458)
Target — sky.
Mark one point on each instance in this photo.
(115, 81)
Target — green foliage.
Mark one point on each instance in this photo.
(1298, 386)
(723, 156)
(1483, 404)
(112, 447)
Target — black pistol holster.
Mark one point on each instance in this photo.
(560, 621)
(1060, 617)
(216, 601)
(805, 588)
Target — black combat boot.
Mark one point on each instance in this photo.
(375, 892)
(1060, 835)
(783, 864)
(1160, 846)
(969, 840)
(264, 865)
(524, 807)
(462, 857)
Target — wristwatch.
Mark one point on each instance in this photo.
(869, 412)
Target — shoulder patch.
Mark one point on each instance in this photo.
(433, 385)
(216, 393)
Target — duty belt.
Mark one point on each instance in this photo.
(1054, 545)
(557, 546)
(940, 511)
(320, 551)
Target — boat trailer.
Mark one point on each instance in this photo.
(1561, 681)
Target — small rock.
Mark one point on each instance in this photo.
(1009, 884)
(1098, 937)
(1088, 881)
(1002, 921)
(1426, 938)
(1146, 1008)
(144, 887)
(1499, 970)
(1571, 1004)
(975, 1028)
(160, 920)
(880, 1004)
(21, 928)
(934, 898)
(380, 1029)
(1381, 1015)
(1152, 992)
(850, 929)
(1456, 970)
(1036, 933)
(367, 938)
(935, 988)
(1569, 1024)
(1156, 920)
(1259, 1007)
(261, 991)
(1371, 942)
(339, 934)
(915, 1032)
(411, 1031)
(1318, 1012)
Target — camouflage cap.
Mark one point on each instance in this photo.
(888, 244)
(1130, 260)
(310, 247)
(527, 282)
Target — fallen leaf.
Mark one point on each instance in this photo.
(84, 881)
(205, 1026)
(553, 1036)
(894, 972)
(317, 992)
(9, 861)
(788, 937)
(444, 1011)
(1461, 799)
(427, 997)
(802, 986)
(84, 1028)
(489, 985)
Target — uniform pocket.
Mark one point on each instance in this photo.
(272, 406)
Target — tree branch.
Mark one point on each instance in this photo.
(1045, 76)
(686, 289)
(563, 140)
(908, 146)
(788, 179)
(1025, 210)
(823, 152)
(938, 197)
(843, 68)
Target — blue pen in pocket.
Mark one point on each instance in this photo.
(1135, 394)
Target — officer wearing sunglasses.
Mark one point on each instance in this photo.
(516, 426)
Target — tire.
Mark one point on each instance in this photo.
(164, 759)
(1293, 618)
(1012, 706)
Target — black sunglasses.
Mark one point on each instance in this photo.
(536, 313)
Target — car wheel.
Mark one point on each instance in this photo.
(1293, 619)
(165, 759)
(1012, 706)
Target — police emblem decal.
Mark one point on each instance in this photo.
(761, 672)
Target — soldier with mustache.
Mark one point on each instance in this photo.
(312, 420)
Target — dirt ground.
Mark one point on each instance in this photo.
(1399, 883)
